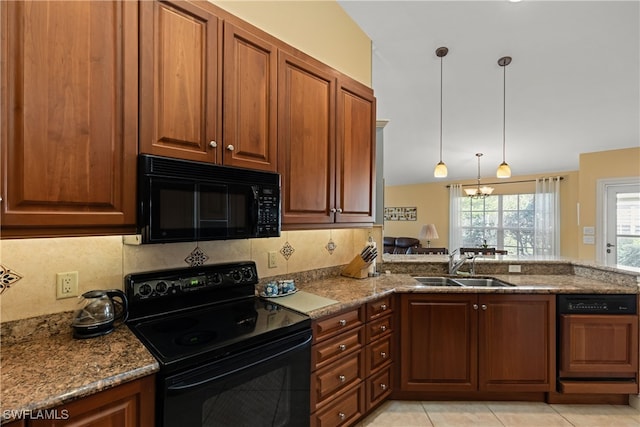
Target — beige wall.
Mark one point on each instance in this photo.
(623, 163)
(432, 199)
(321, 29)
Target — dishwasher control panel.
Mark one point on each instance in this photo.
(597, 304)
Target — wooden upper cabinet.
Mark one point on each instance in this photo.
(306, 141)
(69, 117)
(326, 146)
(250, 100)
(356, 152)
(179, 87)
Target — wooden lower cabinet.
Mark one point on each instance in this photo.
(351, 363)
(477, 342)
(127, 405)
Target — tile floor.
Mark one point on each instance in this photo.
(395, 413)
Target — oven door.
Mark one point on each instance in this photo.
(267, 385)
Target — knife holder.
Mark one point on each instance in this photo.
(357, 268)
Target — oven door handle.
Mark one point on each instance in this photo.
(186, 385)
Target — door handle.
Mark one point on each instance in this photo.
(609, 245)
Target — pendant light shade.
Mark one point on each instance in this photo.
(441, 169)
(504, 171)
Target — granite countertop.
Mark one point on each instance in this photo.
(42, 366)
(48, 371)
(350, 292)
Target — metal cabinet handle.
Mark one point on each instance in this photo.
(342, 347)
(383, 328)
(475, 306)
(383, 386)
(339, 210)
(230, 147)
(342, 378)
(341, 415)
(484, 306)
(342, 322)
(383, 307)
(383, 354)
(213, 144)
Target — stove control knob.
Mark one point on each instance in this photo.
(236, 276)
(247, 273)
(145, 290)
(216, 278)
(161, 287)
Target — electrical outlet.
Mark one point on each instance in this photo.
(515, 269)
(273, 259)
(67, 285)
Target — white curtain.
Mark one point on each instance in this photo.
(547, 217)
(455, 228)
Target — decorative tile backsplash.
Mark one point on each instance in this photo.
(7, 278)
(103, 261)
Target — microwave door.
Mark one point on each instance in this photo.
(226, 211)
(172, 210)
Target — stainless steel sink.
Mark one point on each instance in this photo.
(437, 281)
(481, 282)
(466, 282)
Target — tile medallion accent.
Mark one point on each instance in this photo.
(8, 278)
(287, 250)
(196, 257)
(331, 246)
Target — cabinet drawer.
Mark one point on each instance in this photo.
(379, 328)
(378, 354)
(344, 410)
(326, 352)
(380, 307)
(329, 326)
(337, 376)
(378, 387)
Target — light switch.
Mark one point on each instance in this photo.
(588, 240)
(590, 231)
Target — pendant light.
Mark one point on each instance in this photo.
(478, 192)
(504, 171)
(441, 169)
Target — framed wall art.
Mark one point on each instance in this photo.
(401, 214)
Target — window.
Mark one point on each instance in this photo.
(504, 221)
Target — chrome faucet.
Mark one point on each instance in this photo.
(454, 266)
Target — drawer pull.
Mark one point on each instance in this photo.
(213, 144)
(483, 306)
(230, 147)
(383, 328)
(341, 415)
(342, 322)
(475, 306)
(383, 307)
(383, 386)
(383, 354)
(342, 378)
(342, 347)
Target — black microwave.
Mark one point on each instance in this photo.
(183, 200)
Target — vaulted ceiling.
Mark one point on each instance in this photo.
(573, 85)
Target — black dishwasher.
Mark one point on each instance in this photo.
(597, 343)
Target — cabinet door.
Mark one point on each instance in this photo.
(69, 117)
(128, 405)
(599, 346)
(438, 342)
(517, 343)
(250, 102)
(306, 141)
(179, 60)
(355, 152)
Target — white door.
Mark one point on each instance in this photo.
(622, 234)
